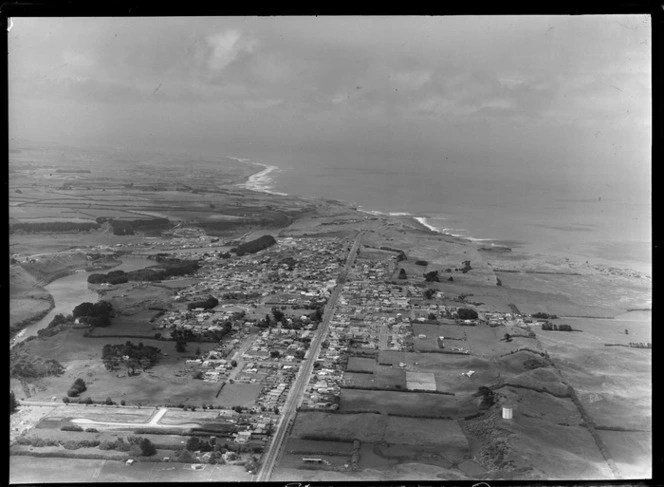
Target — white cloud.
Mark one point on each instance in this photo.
(226, 47)
(411, 80)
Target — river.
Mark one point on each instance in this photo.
(72, 290)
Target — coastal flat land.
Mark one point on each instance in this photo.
(417, 410)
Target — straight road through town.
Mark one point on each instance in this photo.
(299, 386)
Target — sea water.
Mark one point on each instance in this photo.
(600, 218)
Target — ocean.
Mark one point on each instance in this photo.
(601, 218)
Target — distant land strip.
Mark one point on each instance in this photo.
(539, 272)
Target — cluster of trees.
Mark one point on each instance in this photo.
(487, 395)
(239, 296)
(544, 316)
(554, 327)
(166, 269)
(53, 227)
(135, 444)
(97, 314)
(182, 335)
(254, 246)
(466, 266)
(421, 262)
(13, 403)
(429, 293)
(128, 227)
(144, 356)
(77, 388)
(432, 276)
(278, 317)
(208, 303)
(466, 314)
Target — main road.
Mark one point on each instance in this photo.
(289, 410)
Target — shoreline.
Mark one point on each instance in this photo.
(260, 182)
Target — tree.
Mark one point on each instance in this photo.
(77, 388)
(123, 402)
(132, 365)
(277, 313)
(402, 274)
(13, 403)
(109, 401)
(233, 363)
(276, 410)
(275, 354)
(180, 346)
(429, 293)
(65, 399)
(467, 314)
(198, 350)
(193, 444)
(185, 457)
(83, 309)
(432, 276)
(432, 316)
(147, 448)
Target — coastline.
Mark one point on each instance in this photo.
(261, 180)
(258, 181)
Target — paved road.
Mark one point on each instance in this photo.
(296, 394)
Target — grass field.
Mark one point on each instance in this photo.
(421, 381)
(613, 383)
(347, 427)
(570, 453)
(409, 403)
(632, 451)
(360, 364)
(26, 469)
(447, 369)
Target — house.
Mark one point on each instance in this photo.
(243, 436)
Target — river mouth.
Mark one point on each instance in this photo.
(71, 290)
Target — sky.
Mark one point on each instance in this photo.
(535, 93)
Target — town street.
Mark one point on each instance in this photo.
(289, 410)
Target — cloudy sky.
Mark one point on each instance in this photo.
(577, 87)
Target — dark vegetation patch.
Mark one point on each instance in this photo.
(254, 246)
(166, 268)
(53, 227)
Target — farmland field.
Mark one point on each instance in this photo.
(360, 364)
(407, 403)
(26, 470)
(632, 452)
(346, 427)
